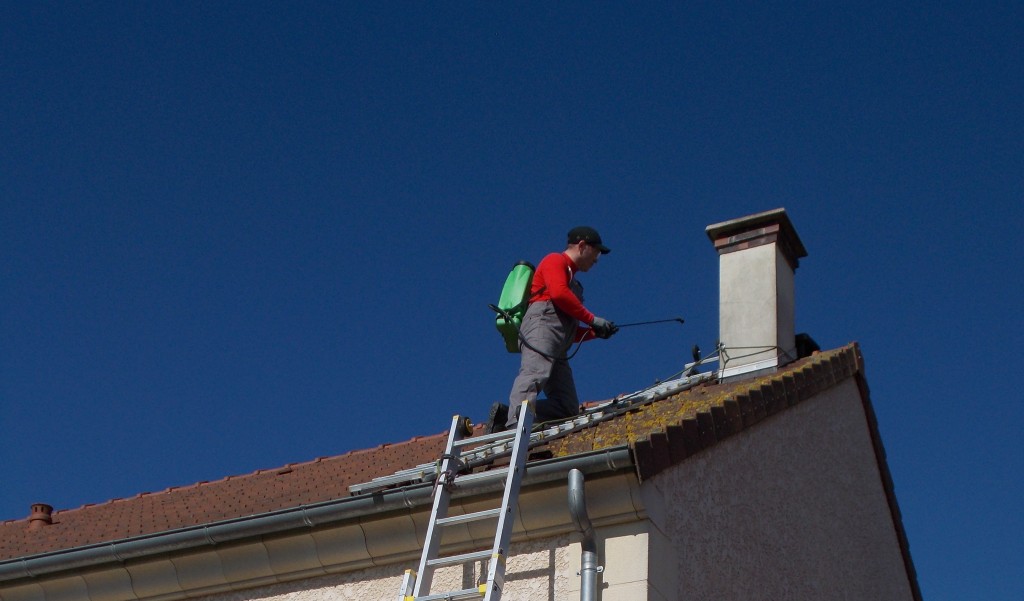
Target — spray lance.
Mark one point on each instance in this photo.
(645, 323)
(616, 326)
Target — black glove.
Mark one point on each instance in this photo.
(603, 328)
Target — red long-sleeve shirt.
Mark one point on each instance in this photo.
(551, 282)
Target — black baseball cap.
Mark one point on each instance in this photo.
(588, 235)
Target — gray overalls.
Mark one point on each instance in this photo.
(551, 331)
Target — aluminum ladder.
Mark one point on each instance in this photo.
(416, 584)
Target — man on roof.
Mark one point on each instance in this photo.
(551, 325)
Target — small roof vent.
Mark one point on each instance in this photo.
(42, 515)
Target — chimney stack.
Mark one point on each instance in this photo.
(757, 258)
(42, 515)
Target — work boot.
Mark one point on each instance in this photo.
(497, 418)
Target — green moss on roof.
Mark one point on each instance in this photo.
(665, 432)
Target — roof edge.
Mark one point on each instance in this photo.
(766, 396)
(887, 482)
(286, 521)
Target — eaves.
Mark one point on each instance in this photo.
(310, 540)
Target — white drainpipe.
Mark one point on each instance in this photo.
(588, 561)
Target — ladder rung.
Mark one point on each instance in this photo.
(484, 438)
(420, 472)
(466, 480)
(459, 559)
(469, 593)
(469, 517)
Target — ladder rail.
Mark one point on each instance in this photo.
(425, 574)
(416, 584)
(503, 536)
(407, 582)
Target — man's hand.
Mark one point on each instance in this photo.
(603, 328)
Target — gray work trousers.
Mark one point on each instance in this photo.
(550, 331)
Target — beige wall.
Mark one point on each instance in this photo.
(365, 559)
(537, 571)
(791, 509)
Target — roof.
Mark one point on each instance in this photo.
(660, 434)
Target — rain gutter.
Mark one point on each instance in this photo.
(296, 518)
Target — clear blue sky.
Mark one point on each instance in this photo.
(239, 235)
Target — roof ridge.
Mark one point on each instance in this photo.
(743, 407)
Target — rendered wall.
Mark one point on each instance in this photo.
(537, 571)
(365, 558)
(792, 509)
(537, 568)
(756, 309)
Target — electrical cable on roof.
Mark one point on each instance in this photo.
(622, 405)
(720, 355)
(488, 453)
(726, 358)
(622, 401)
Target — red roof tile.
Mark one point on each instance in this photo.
(262, 491)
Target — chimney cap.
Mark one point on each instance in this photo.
(730, 235)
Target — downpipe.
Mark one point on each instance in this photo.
(588, 560)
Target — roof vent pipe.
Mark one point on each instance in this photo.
(42, 515)
(757, 258)
(588, 560)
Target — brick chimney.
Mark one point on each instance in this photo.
(757, 258)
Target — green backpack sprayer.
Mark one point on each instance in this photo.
(515, 297)
(511, 308)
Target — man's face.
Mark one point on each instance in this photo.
(588, 257)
